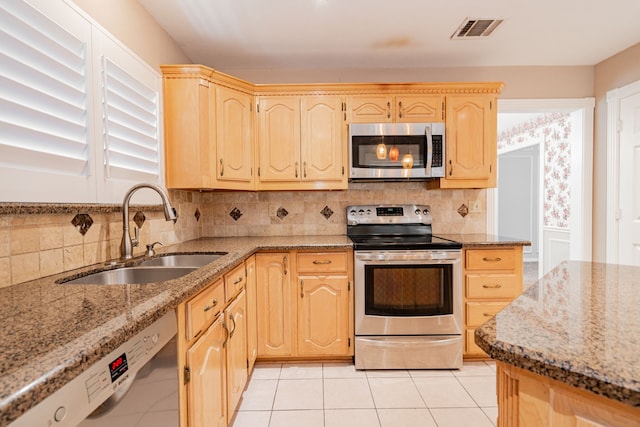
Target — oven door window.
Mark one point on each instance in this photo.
(408, 290)
(387, 152)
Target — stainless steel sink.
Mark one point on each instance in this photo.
(133, 275)
(183, 260)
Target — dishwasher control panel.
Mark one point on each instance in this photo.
(72, 403)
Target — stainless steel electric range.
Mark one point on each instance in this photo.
(408, 289)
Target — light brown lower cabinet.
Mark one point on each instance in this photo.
(304, 305)
(492, 279)
(212, 352)
(206, 387)
(236, 320)
(526, 399)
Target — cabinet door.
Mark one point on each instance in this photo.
(322, 147)
(279, 139)
(207, 396)
(236, 320)
(274, 302)
(252, 333)
(370, 109)
(419, 108)
(234, 139)
(471, 146)
(323, 315)
(189, 132)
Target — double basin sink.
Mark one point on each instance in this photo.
(159, 269)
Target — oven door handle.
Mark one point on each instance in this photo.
(404, 260)
(382, 342)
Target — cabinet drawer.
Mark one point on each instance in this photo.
(490, 259)
(480, 312)
(322, 262)
(203, 308)
(492, 286)
(234, 282)
(471, 348)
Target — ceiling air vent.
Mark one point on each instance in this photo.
(474, 28)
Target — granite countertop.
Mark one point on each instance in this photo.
(579, 324)
(52, 332)
(482, 240)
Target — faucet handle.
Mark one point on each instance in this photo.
(150, 251)
(136, 236)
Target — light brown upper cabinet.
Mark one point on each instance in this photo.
(189, 128)
(234, 123)
(208, 129)
(301, 142)
(400, 108)
(471, 142)
(301, 130)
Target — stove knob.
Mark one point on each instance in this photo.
(352, 212)
(426, 212)
(368, 211)
(417, 211)
(361, 212)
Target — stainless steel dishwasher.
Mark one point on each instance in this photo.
(134, 385)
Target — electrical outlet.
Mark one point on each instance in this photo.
(273, 210)
(474, 206)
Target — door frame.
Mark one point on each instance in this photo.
(614, 97)
(581, 239)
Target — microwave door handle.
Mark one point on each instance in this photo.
(427, 133)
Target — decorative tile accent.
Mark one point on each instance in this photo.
(463, 210)
(282, 212)
(235, 214)
(82, 222)
(326, 212)
(197, 214)
(139, 219)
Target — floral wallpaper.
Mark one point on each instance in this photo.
(553, 131)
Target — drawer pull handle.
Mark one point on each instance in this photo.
(238, 280)
(487, 314)
(496, 259)
(214, 302)
(325, 262)
(496, 286)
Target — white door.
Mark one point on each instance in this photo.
(629, 182)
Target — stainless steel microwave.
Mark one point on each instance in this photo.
(396, 151)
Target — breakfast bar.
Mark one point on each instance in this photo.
(567, 349)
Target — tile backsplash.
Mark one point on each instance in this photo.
(282, 213)
(34, 245)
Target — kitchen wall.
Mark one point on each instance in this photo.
(40, 240)
(324, 212)
(37, 244)
(617, 71)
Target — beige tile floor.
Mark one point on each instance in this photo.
(336, 395)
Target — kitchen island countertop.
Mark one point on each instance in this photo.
(579, 324)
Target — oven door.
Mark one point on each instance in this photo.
(408, 292)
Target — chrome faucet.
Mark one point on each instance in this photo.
(127, 244)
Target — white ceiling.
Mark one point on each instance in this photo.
(228, 34)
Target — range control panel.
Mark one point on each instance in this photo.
(72, 403)
(389, 214)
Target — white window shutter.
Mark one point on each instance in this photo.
(131, 135)
(44, 106)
